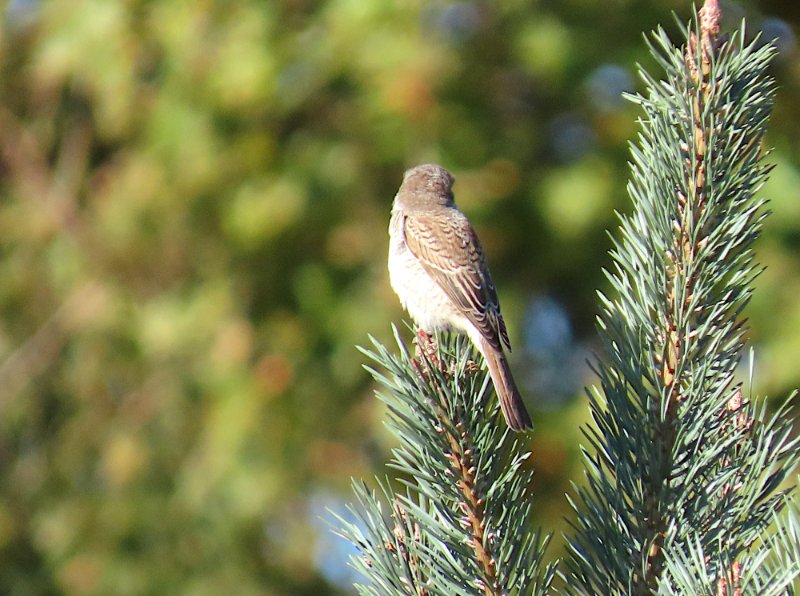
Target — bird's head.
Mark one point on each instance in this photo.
(427, 184)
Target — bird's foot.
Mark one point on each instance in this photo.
(426, 348)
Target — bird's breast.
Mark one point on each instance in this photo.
(419, 293)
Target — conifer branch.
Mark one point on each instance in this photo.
(462, 523)
(690, 234)
(682, 461)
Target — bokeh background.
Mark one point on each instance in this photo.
(194, 199)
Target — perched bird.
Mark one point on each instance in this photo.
(439, 272)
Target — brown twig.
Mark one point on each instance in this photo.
(680, 287)
(460, 455)
(472, 506)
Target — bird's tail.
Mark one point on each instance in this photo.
(511, 402)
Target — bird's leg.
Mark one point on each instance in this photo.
(426, 345)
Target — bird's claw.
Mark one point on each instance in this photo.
(472, 367)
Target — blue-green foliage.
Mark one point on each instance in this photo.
(463, 478)
(683, 471)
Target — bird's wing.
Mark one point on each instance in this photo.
(450, 252)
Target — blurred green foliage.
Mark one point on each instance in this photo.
(193, 209)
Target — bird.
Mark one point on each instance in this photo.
(439, 272)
